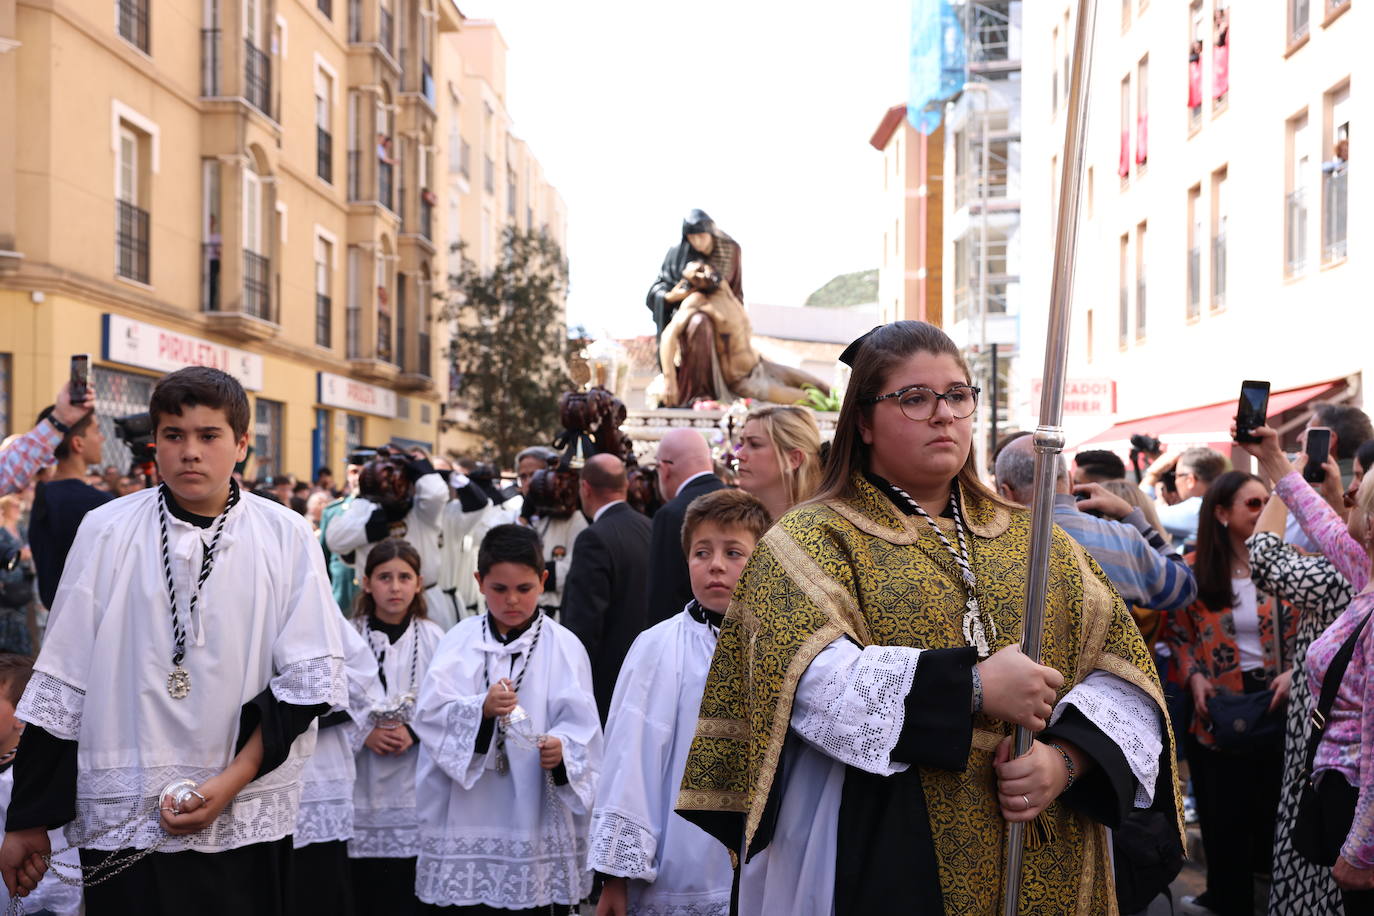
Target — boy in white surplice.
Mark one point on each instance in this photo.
(655, 862)
(191, 640)
(510, 748)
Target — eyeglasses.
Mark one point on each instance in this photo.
(1255, 503)
(920, 403)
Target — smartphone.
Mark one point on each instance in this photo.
(81, 377)
(1252, 411)
(1318, 448)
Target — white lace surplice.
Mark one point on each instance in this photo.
(849, 709)
(385, 825)
(675, 867)
(264, 616)
(326, 811)
(502, 838)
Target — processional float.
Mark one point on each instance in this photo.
(1049, 433)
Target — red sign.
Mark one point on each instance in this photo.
(1084, 397)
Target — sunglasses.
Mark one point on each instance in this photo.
(1255, 503)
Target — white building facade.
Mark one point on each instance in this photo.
(1221, 232)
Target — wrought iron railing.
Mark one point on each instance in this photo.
(324, 320)
(133, 22)
(384, 184)
(257, 296)
(423, 344)
(131, 241)
(426, 217)
(324, 154)
(353, 332)
(210, 265)
(257, 77)
(209, 62)
(1295, 235)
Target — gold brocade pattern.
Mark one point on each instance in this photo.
(888, 581)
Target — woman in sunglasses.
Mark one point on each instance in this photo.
(1331, 590)
(854, 740)
(1239, 674)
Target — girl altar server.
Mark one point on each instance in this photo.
(510, 749)
(392, 620)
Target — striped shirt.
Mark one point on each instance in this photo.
(1141, 574)
(23, 457)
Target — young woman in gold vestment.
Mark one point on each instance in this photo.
(853, 743)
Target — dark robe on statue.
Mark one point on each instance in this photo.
(724, 257)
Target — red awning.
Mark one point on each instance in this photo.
(1200, 425)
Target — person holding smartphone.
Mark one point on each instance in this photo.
(1350, 428)
(23, 457)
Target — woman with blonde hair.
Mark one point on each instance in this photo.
(779, 457)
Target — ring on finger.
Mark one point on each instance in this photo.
(1026, 799)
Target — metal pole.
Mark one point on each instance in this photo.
(1049, 434)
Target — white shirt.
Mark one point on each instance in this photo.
(347, 533)
(596, 516)
(264, 617)
(1245, 615)
(690, 479)
(511, 839)
(673, 865)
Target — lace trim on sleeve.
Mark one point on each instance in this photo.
(580, 792)
(456, 754)
(619, 845)
(52, 704)
(312, 681)
(1126, 715)
(857, 715)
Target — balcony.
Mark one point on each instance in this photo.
(131, 241)
(324, 154)
(1194, 282)
(426, 216)
(209, 62)
(257, 278)
(427, 83)
(384, 33)
(1295, 242)
(353, 333)
(1219, 272)
(384, 353)
(1334, 212)
(133, 22)
(324, 321)
(384, 184)
(355, 175)
(257, 78)
(210, 254)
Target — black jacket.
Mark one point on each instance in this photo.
(669, 588)
(604, 597)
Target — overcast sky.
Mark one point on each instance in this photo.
(758, 112)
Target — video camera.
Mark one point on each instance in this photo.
(1143, 444)
(137, 433)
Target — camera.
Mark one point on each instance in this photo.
(1147, 444)
(136, 431)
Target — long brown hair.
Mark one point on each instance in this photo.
(881, 352)
(1212, 565)
(381, 552)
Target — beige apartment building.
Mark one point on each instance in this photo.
(1222, 235)
(492, 179)
(250, 184)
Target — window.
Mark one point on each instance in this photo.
(1220, 212)
(1221, 56)
(455, 137)
(424, 295)
(1125, 15)
(326, 7)
(383, 308)
(1089, 208)
(353, 433)
(1142, 109)
(1195, 49)
(324, 305)
(385, 158)
(131, 219)
(1295, 200)
(132, 20)
(256, 264)
(1066, 40)
(267, 432)
(353, 319)
(1335, 174)
(453, 230)
(1123, 167)
(1088, 336)
(1299, 20)
(212, 244)
(1195, 237)
(1140, 282)
(320, 441)
(1124, 310)
(403, 321)
(355, 145)
(324, 139)
(257, 66)
(6, 387)
(1055, 76)
(1336, 6)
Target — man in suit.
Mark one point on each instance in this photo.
(684, 473)
(603, 600)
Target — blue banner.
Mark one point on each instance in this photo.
(938, 64)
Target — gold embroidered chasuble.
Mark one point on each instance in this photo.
(862, 569)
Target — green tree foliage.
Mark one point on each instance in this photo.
(508, 357)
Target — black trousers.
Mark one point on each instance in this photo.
(384, 887)
(251, 879)
(323, 883)
(1238, 799)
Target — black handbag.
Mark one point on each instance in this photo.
(1242, 722)
(1326, 807)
